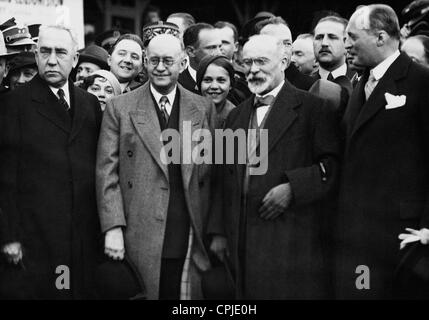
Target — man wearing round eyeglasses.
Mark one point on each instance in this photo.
(273, 221)
(151, 210)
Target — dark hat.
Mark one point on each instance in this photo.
(107, 38)
(34, 31)
(156, 28)
(9, 23)
(21, 60)
(94, 54)
(119, 280)
(416, 14)
(249, 28)
(218, 283)
(17, 36)
(412, 273)
(208, 60)
(3, 50)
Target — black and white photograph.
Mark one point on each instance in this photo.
(215, 154)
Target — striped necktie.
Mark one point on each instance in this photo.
(370, 85)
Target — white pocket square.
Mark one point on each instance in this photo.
(394, 101)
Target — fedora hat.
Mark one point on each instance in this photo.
(412, 273)
(94, 54)
(119, 280)
(3, 49)
(218, 282)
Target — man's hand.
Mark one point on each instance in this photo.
(13, 252)
(114, 244)
(276, 201)
(219, 247)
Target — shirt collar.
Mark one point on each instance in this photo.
(340, 71)
(193, 73)
(273, 92)
(66, 90)
(171, 96)
(379, 71)
(123, 85)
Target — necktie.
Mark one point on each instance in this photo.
(330, 77)
(63, 100)
(162, 103)
(370, 85)
(263, 101)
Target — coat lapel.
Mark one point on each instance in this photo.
(145, 121)
(387, 83)
(80, 108)
(189, 114)
(48, 106)
(282, 114)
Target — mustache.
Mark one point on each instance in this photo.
(325, 50)
(255, 79)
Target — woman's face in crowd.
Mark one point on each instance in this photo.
(216, 84)
(102, 89)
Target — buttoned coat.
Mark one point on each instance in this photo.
(385, 178)
(47, 190)
(285, 258)
(132, 180)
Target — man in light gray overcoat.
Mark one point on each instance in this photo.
(155, 212)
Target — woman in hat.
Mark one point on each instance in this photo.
(215, 77)
(102, 84)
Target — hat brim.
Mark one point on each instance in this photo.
(101, 63)
(22, 42)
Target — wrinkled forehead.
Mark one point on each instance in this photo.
(360, 19)
(158, 48)
(260, 49)
(55, 38)
(129, 45)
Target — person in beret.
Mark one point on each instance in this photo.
(91, 59)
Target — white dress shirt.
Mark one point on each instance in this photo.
(340, 71)
(379, 71)
(66, 92)
(171, 96)
(193, 73)
(262, 111)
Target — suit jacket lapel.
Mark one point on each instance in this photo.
(48, 106)
(189, 114)
(387, 83)
(282, 114)
(145, 121)
(78, 103)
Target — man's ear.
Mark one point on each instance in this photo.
(382, 37)
(109, 60)
(6, 70)
(190, 51)
(236, 46)
(75, 60)
(182, 64)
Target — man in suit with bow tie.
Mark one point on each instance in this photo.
(385, 174)
(271, 223)
(148, 207)
(48, 139)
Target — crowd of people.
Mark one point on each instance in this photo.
(91, 209)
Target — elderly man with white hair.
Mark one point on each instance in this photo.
(49, 131)
(271, 223)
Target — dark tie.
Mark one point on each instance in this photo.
(263, 101)
(63, 100)
(162, 103)
(330, 77)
